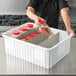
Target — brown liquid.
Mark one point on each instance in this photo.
(46, 31)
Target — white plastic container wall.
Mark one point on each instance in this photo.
(58, 46)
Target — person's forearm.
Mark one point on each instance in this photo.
(66, 18)
(30, 13)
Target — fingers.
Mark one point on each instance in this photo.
(37, 21)
(71, 32)
(39, 25)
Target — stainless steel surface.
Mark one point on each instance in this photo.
(12, 65)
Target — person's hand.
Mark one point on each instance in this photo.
(70, 31)
(37, 21)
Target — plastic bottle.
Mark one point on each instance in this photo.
(45, 29)
(28, 38)
(32, 28)
(23, 40)
(23, 31)
(39, 32)
(16, 34)
(33, 35)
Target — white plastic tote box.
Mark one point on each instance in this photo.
(45, 54)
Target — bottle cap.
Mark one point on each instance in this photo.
(30, 25)
(39, 32)
(16, 32)
(42, 21)
(23, 40)
(23, 29)
(28, 38)
(33, 35)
